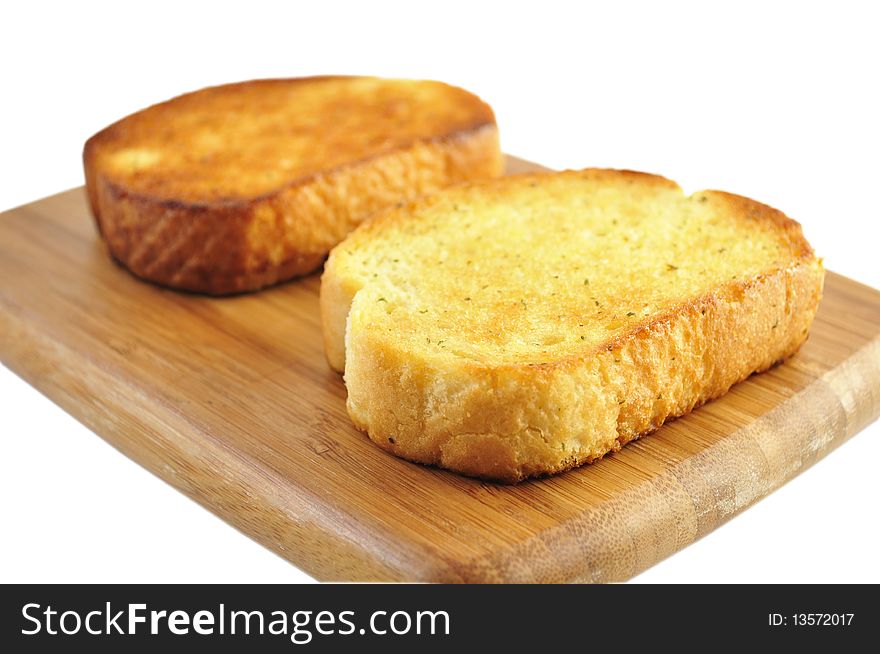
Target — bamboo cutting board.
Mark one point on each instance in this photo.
(230, 401)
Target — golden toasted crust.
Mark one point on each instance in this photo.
(236, 187)
(495, 393)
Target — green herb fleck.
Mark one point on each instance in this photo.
(670, 267)
(381, 299)
(630, 313)
(586, 282)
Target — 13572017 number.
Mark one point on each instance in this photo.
(822, 619)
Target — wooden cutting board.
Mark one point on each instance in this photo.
(230, 401)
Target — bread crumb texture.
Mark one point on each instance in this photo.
(528, 325)
(239, 186)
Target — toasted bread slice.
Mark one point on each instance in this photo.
(527, 325)
(235, 187)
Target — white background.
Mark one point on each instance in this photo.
(778, 101)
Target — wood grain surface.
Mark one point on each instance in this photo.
(230, 401)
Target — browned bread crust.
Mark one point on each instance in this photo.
(237, 187)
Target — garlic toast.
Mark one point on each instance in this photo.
(523, 326)
(235, 187)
